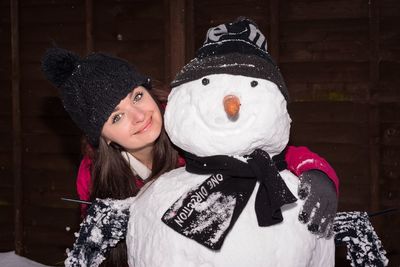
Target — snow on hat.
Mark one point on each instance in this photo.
(237, 48)
(92, 87)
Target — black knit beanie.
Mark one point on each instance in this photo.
(237, 48)
(91, 88)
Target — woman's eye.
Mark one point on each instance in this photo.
(254, 83)
(116, 118)
(205, 81)
(137, 97)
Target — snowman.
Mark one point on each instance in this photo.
(235, 203)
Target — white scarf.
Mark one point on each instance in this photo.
(137, 167)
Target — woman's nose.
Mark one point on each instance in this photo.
(136, 115)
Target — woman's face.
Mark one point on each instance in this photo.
(135, 123)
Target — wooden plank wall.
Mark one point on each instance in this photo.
(133, 30)
(340, 60)
(50, 141)
(389, 122)
(6, 179)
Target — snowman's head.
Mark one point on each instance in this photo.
(232, 64)
(197, 120)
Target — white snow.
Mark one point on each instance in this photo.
(10, 259)
(206, 220)
(96, 236)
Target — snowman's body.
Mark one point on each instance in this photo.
(196, 121)
(152, 243)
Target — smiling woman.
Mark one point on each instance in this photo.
(114, 106)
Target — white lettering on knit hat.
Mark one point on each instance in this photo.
(255, 35)
(261, 41)
(214, 34)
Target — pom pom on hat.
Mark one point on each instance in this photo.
(58, 65)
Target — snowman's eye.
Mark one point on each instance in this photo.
(254, 83)
(205, 81)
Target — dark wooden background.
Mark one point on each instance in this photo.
(341, 61)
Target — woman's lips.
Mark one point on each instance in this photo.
(146, 126)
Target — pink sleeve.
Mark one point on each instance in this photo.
(301, 159)
(181, 161)
(84, 181)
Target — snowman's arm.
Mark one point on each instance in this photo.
(104, 226)
(301, 159)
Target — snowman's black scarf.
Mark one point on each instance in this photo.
(208, 212)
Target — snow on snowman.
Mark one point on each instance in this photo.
(235, 203)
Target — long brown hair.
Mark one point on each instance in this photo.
(113, 178)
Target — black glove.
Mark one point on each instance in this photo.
(104, 226)
(320, 206)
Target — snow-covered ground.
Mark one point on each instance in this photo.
(10, 259)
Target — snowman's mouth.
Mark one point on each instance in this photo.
(222, 125)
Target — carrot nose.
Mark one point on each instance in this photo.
(231, 106)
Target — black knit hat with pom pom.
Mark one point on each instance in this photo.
(91, 88)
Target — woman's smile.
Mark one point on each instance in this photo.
(146, 126)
